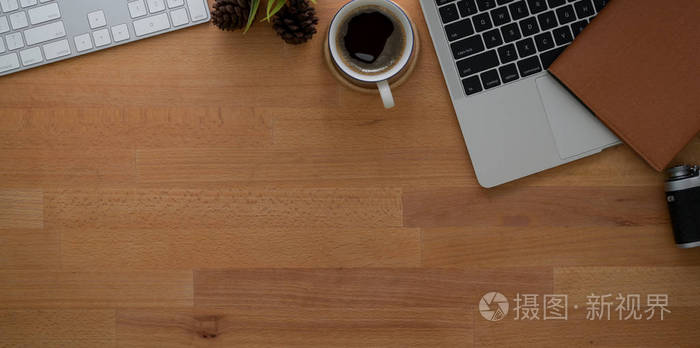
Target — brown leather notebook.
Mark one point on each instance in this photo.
(637, 67)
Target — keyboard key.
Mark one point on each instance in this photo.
(548, 20)
(44, 13)
(503, 2)
(56, 49)
(2, 46)
(19, 20)
(555, 3)
(544, 41)
(500, 16)
(198, 10)
(120, 33)
(467, 7)
(507, 53)
(526, 47)
(486, 4)
(45, 33)
(137, 9)
(478, 63)
(4, 25)
(549, 56)
(101, 38)
(83, 42)
(152, 25)
(456, 30)
(508, 73)
(155, 5)
(537, 6)
(584, 8)
(482, 22)
(562, 35)
(490, 79)
(97, 19)
(178, 3)
(179, 17)
(9, 62)
(566, 14)
(14, 41)
(471, 85)
(9, 5)
(449, 13)
(510, 32)
(529, 66)
(518, 10)
(31, 56)
(577, 27)
(438, 2)
(529, 26)
(492, 38)
(599, 4)
(27, 3)
(467, 47)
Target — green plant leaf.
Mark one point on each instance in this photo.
(269, 6)
(313, 1)
(253, 11)
(276, 7)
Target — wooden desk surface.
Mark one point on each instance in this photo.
(207, 188)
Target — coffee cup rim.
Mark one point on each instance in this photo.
(406, 53)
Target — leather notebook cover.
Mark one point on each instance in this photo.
(637, 67)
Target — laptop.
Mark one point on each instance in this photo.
(516, 118)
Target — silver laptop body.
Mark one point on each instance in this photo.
(523, 126)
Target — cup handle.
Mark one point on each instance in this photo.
(385, 92)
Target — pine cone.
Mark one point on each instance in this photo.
(230, 14)
(295, 22)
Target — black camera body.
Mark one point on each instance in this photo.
(683, 198)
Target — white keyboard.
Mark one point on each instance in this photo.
(38, 32)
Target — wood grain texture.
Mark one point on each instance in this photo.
(564, 246)
(57, 327)
(550, 206)
(21, 208)
(681, 284)
(226, 207)
(47, 167)
(163, 249)
(34, 249)
(54, 289)
(133, 127)
(361, 288)
(211, 189)
(393, 167)
(253, 326)
(676, 330)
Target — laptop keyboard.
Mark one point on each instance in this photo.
(495, 42)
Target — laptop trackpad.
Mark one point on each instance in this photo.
(575, 129)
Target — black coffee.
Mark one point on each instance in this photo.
(367, 35)
(370, 40)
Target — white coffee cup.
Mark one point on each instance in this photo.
(382, 79)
